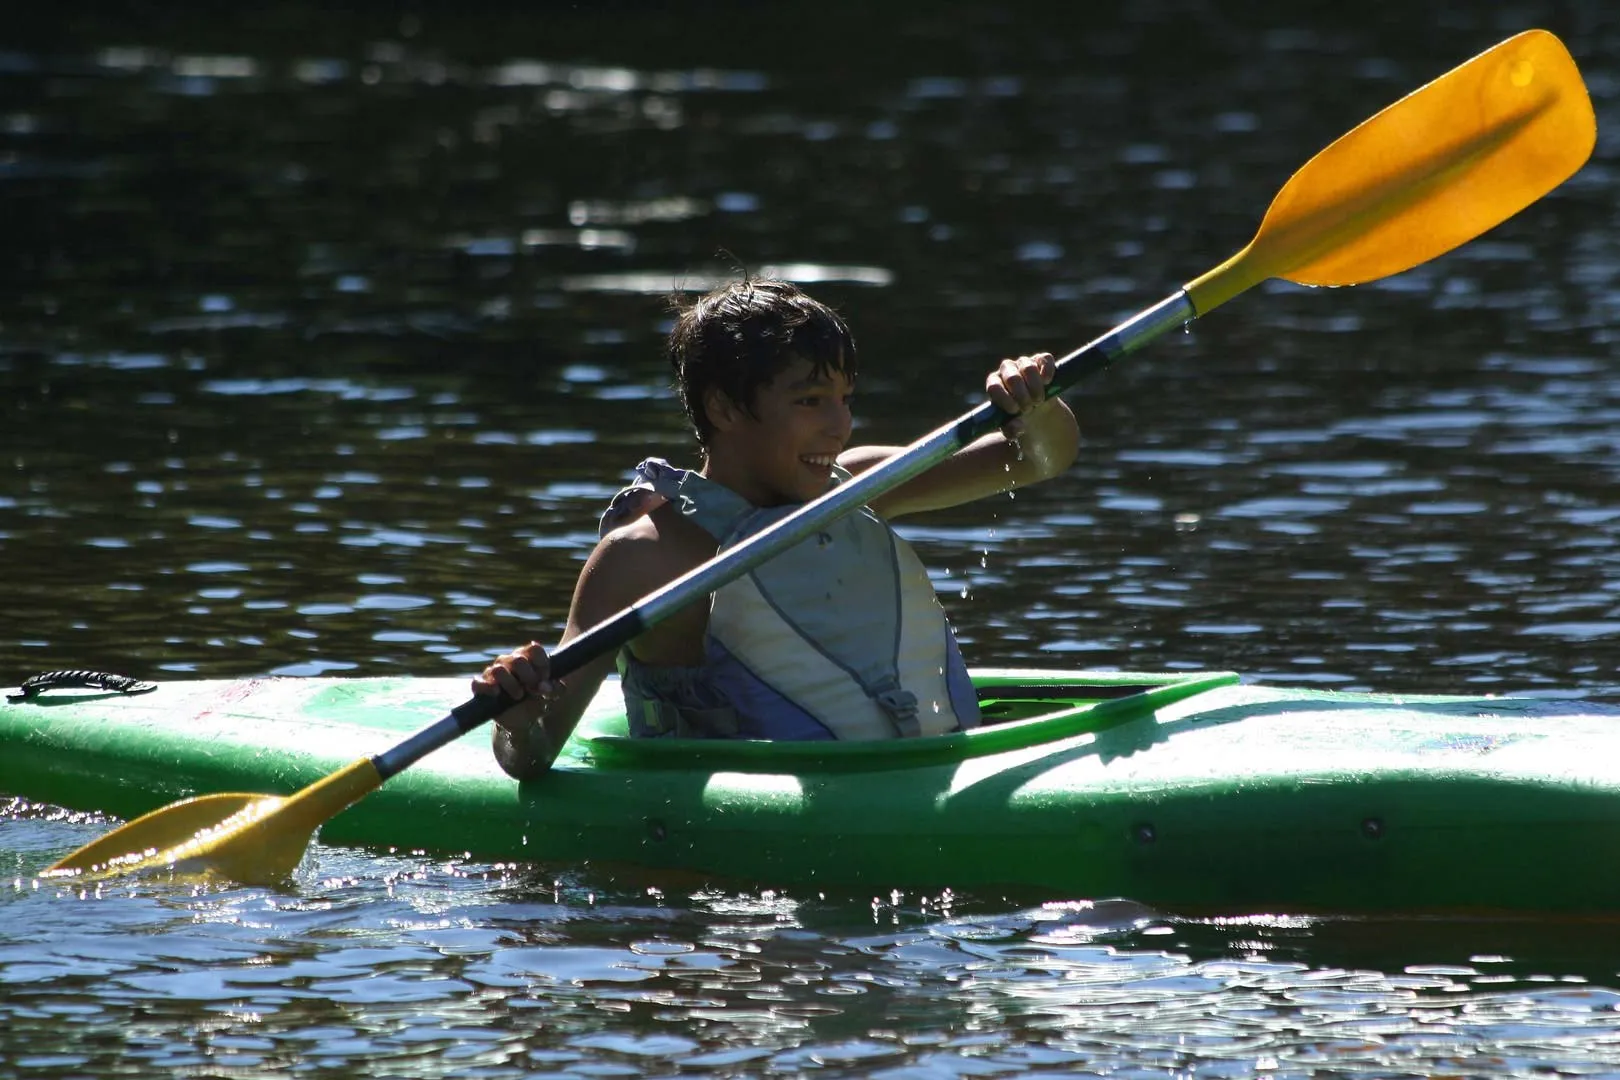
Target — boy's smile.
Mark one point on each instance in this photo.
(783, 449)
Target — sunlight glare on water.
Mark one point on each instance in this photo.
(451, 965)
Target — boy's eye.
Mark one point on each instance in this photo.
(821, 398)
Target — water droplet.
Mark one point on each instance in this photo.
(964, 593)
(936, 706)
(1522, 73)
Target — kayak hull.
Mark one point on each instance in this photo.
(1182, 791)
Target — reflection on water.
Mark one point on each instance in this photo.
(444, 968)
(324, 337)
(324, 358)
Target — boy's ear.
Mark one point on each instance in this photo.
(720, 409)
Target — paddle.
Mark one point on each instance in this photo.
(1431, 171)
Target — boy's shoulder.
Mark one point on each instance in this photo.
(657, 544)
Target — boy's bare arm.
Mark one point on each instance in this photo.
(528, 735)
(1038, 443)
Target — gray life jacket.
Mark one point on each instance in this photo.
(838, 637)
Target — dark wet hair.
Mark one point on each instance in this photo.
(742, 335)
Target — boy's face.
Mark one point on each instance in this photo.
(784, 452)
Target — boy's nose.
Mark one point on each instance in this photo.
(841, 420)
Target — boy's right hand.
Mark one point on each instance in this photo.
(524, 676)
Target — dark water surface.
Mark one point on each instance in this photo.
(324, 338)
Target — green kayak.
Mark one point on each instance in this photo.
(1190, 792)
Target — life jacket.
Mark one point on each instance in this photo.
(838, 637)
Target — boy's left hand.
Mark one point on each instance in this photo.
(1015, 386)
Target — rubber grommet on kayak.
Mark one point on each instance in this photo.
(35, 685)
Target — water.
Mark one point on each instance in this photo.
(324, 338)
(409, 967)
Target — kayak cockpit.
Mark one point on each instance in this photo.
(1020, 709)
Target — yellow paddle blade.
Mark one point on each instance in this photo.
(1432, 171)
(251, 839)
(155, 832)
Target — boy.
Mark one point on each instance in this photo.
(841, 637)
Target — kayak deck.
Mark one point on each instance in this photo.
(1191, 791)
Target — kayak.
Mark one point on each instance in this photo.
(1185, 791)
